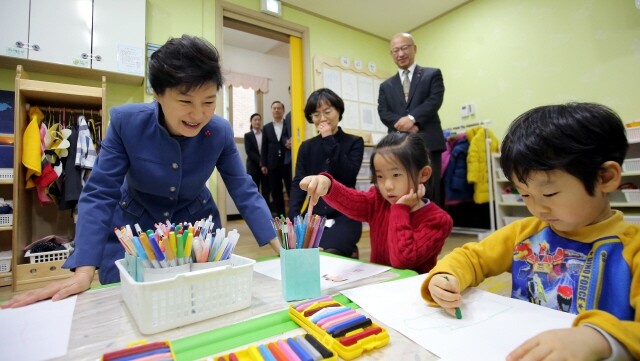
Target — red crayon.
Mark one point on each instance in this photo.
(352, 339)
(277, 352)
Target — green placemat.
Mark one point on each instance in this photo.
(232, 336)
(225, 338)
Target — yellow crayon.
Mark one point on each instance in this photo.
(255, 353)
(168, 249)
(147, 246)
(188, 245)
(173, 242)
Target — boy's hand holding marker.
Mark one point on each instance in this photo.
(446, 293)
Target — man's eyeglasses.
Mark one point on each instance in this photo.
(404, 49)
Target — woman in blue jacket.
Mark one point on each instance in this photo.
(154, 164)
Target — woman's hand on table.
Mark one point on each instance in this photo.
(79, 282)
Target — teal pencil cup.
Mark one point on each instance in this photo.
(300, 273)
(134, 266)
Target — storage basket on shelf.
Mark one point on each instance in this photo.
(631, 165)
(508, 220)
(511, 198)
(188, 297)
(48, 256)
(632, 219)
(5, 261)
(6, 174)
(632, 195)
(633, 134)
(6, 220)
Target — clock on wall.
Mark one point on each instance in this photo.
(271, 7)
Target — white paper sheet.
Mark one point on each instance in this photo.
(334, 271)
(36, 332)
(490, 328)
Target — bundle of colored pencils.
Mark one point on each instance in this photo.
(301, 233)
(176, 244)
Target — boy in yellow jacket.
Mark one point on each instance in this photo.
(575, 254)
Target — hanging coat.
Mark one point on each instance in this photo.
(477, 167)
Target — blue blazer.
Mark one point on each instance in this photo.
(144, 175)
(425, 98)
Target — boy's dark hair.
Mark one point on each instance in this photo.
(575, 137)
(323, 95)
(408, 148)
(186, 63)
(251, 118)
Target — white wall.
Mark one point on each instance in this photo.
(273, 67)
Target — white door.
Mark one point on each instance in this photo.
(119, 36)
(60, 31)
(14, 28)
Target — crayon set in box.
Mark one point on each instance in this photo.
(344, 330)
(302, 347)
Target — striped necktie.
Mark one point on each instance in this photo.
(406, 83)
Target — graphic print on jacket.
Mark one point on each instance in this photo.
(572, 276)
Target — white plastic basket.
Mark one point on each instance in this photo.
(6, 220)
(633, 134)
(632, 195)
(631, 165)
(48, 256)
(6, 174)
(189, 297)
(5, 261)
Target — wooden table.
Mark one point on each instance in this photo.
(102, 322)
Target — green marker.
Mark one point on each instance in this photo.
(458, 312)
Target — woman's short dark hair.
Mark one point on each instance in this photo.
(407, 148)
(323, 95)
(575, 137)
(187, 63)
(251, 118)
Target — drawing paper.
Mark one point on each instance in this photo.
(490, 328)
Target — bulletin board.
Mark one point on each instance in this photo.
(358, 85)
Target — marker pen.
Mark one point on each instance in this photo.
(149, 250)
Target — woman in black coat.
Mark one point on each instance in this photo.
(335, 152)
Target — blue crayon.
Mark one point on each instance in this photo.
(299, 350)
(266, 354)
(342, 328)
(141, 253)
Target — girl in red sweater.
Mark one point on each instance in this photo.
(407, 230)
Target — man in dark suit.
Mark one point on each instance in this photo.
(276, 156)
(409, 102)
(253, 147)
